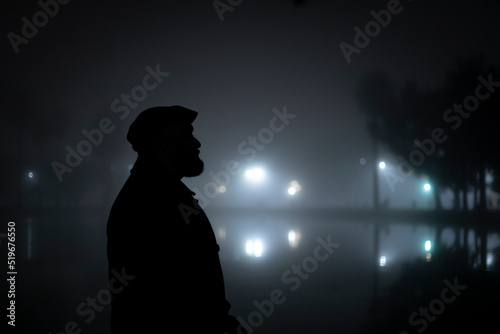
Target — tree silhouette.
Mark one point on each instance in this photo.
(405, 119)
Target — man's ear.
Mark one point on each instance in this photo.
(167, 146)
(167, 142)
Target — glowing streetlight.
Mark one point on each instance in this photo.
(257, 252)
(427, 245)
(381, 165)
(255, 174)
(427, 187)
(249, 247)
(490, 260)
(31, 175)
(294, 187)
(254, 247)
(382, 261)
(293, 238)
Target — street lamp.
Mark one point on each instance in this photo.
(255, 174)
(294, 188)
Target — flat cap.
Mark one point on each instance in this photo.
(150, 123)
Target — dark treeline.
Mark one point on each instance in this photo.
(448, 135)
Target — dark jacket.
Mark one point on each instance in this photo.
(177, 283)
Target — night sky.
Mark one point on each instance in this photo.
(263, 55)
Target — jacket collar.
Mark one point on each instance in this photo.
(150, 168)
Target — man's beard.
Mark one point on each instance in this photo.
(191, 166)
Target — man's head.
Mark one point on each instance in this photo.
(167, 134)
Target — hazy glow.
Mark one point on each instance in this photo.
(293, 238)
(255, 174)
(427, 187)
(257, 245)
(30, 175)
(381, 165)
(489, 259)
(221, 189)
(222, 233)
(427, 245)
(294, 187)
(428, 257)
(249, 247)
(383, 261)
(254, 247)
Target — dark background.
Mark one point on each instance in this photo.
(264, 55)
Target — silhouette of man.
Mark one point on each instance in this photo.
(164, 268)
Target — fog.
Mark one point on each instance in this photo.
(298, 102)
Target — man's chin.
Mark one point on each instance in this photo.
(194, 169)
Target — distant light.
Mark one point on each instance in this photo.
(222, 233)
(31, 175)
(490, 260)
(427, 245)
(293, 238)
(383, 261)
(254, 247)
(255, 174)
(362, 161)
(428, 257)
(427, 187)
(294, 187)
(249, 247)
(257, 248)
(221, 189)
(381, 165)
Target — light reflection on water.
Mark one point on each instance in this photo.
(64, 262)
